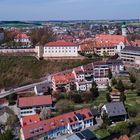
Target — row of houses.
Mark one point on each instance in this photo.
(81, 78)
(32, 127)
(57, 126)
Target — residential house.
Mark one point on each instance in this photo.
(116, 111)
(79, 74)
(115, 65)
(83, 77)
(115, 96)
(3, 102)
(88, 71)
(83, 86)
(23, 38)
(32, 105)
(63, 81)
(57, 126)
(42, 88)
(101, 70)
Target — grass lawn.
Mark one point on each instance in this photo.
(102, 133)
(99, 100)
(133, 101)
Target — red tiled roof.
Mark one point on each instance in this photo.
(135, 43)
(61, 43)
(2, 101)
(78, 70)
(22, 36)
(34, 101)
(86, 40)
(55, 122)
(114, 39)
(124, 137)
(97, 44)
(63, 78)
(30, 119)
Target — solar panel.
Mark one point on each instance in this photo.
(70, 119)
(79, 116)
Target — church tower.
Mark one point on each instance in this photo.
(124, 30)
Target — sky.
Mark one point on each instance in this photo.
(69, 9)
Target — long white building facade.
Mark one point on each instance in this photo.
(58, 49)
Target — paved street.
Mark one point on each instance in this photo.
(19, 89)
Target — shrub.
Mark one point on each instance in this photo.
(114, 81)
(64, 106)
(132, 112)
(76, 97)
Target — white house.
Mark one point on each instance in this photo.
(23, 38)
(58, 49)
(30, 105)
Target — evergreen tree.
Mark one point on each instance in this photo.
(132, 78)
(114, 81)
(120, 86)
(109, 88)
(49, 91)
(94, 90)
(105, 119)
(110, 74)
(122, 97)
(108, 98)
(7, 135)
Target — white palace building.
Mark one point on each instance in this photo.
(58, 49)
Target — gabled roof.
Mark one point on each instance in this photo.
(60, 43)
(131, 49)
(34, 101)
(41, 127)
(64, 78)
(30, 119)
(115, 109)
(3, 101)
(114, 39)
(22, 36)
(124, 137)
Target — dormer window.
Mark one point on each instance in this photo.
(41, 128)
(31, 132)
(52, 124)
(62, 121)
(36, 130)
(70, 119)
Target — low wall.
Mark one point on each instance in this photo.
(17, 50)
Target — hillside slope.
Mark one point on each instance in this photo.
(20, 70)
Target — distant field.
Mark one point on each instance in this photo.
(19, 70)
(134, 24)
(17, 25)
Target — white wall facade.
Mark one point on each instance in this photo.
(32, 110)
(60, 51)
